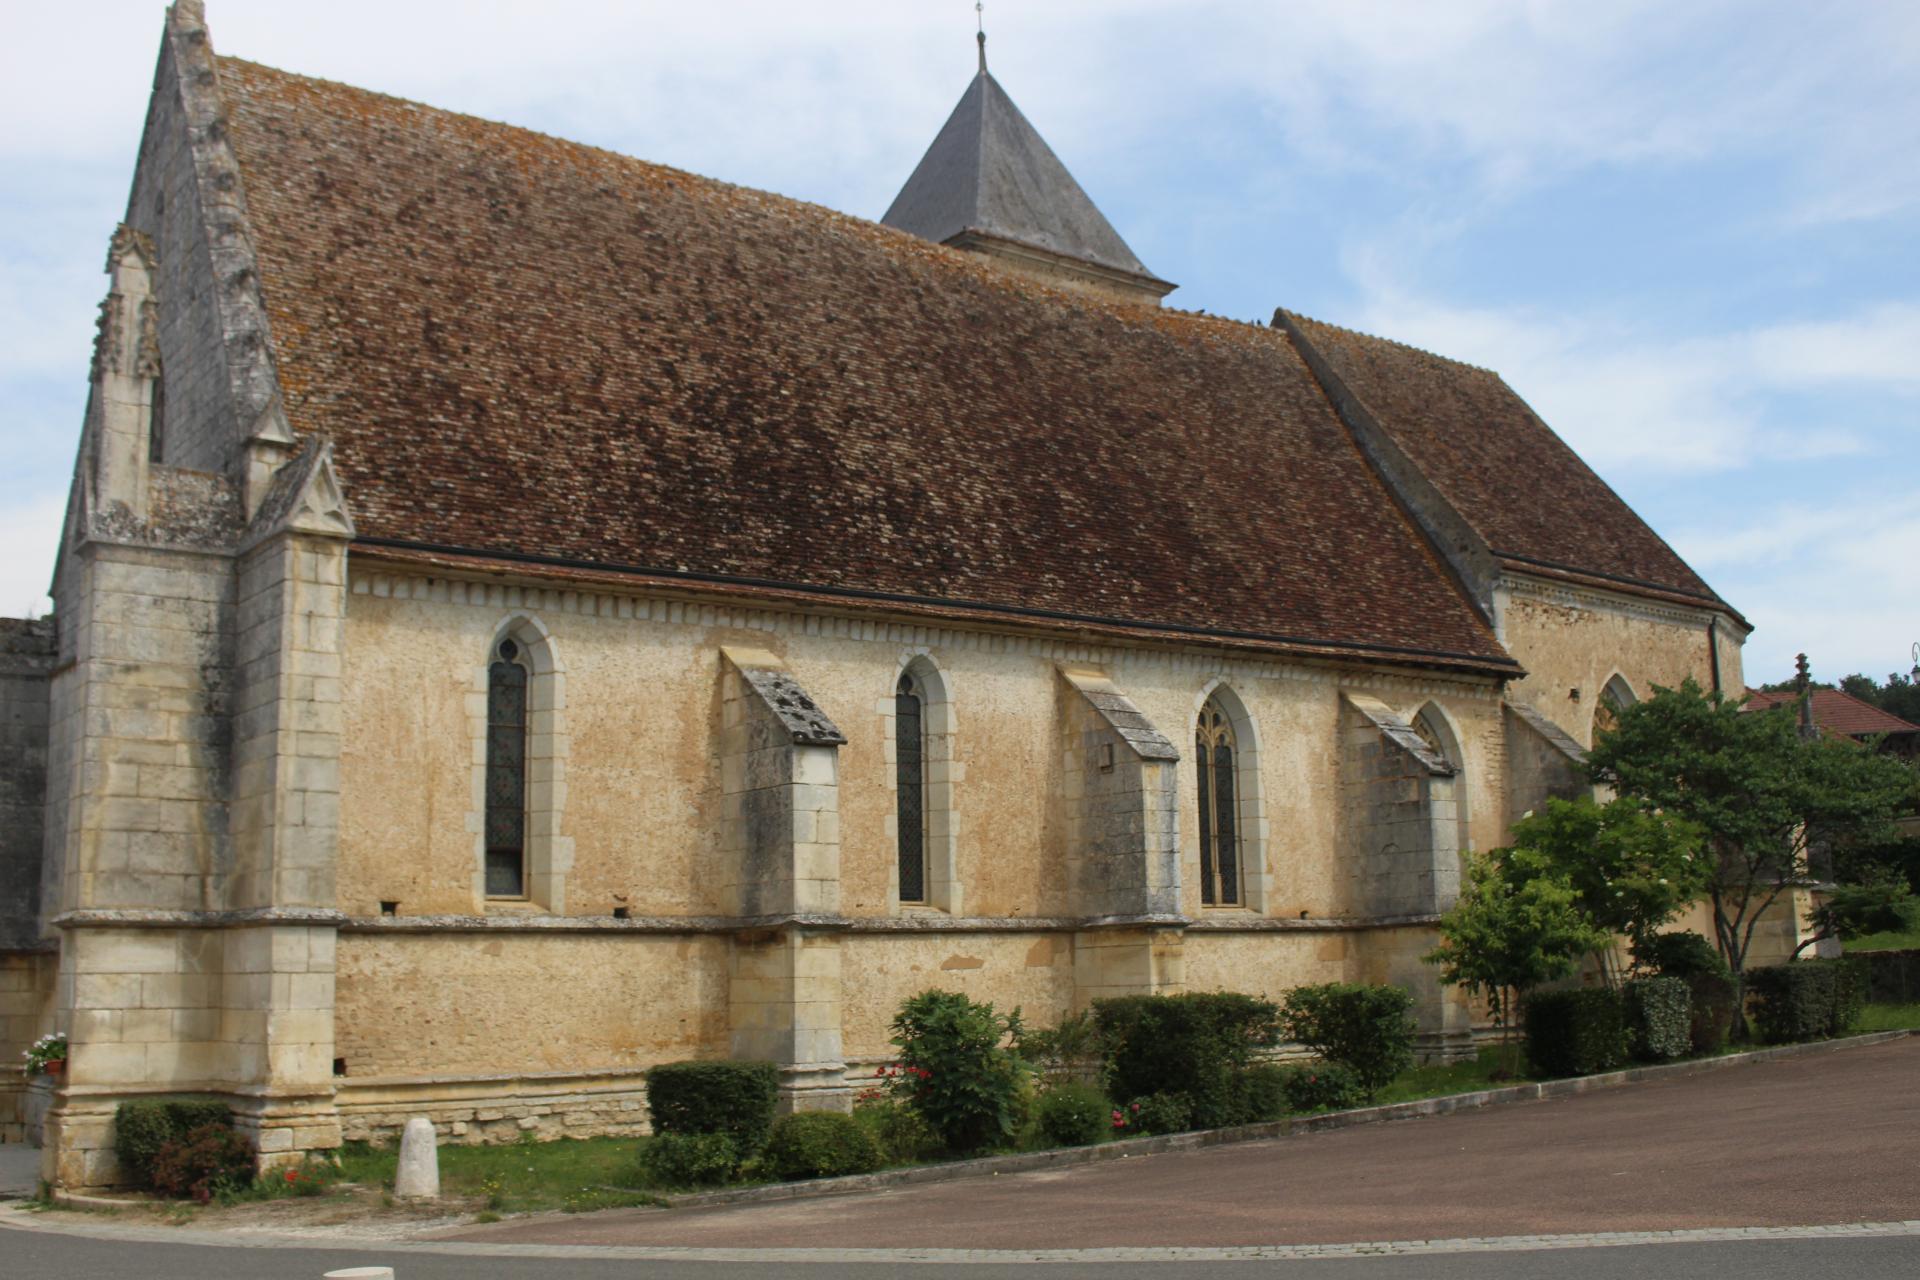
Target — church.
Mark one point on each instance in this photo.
(525, 614)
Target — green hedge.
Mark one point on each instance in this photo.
(1075, 1115)
(143, 1126)
(689, 1159)
(732, 1098)
(1695, 961)
(1366, 1029)
(820, 1144)
(1575, 1033)
(1893, 977)
(1659, 1018)
(1196, 1043)
(1805, 999)
(1325, 1086)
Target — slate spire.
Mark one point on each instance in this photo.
(991, 184)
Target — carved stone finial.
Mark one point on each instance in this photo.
(106, 335)
(129, 240)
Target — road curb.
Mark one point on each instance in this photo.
(1068, 1157)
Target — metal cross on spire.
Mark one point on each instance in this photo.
(980, 18)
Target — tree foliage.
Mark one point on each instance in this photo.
(1777, 809)
(1518, 923)
(1632, 869)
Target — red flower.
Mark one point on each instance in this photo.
(293, 1175)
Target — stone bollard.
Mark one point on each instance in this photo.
(360, 1273)
(418, 1177)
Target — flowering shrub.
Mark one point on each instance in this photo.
(45, 1051)
(957, 1071)
(1074, 1115)
(1155, 1113)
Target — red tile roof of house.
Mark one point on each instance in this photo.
(1837, 712)
(539, 352)
(1531, 499)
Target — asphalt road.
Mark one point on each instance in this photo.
(1816, 1139)
(31, 1253)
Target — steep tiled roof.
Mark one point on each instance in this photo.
(1530, 498)
(1837, 712)
(989, 170)
(530, 349)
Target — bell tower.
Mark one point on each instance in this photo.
(991, 185)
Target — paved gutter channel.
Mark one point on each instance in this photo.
(1067, 1157)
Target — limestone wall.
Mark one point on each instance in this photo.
(1576, 639)
(1031, 971)
(643, 805)
(26, 1014)
(26, 659)
(455, 1004)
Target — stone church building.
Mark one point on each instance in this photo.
(525, 614)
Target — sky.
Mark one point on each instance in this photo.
(1686, 231)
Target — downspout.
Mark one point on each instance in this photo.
(1713, 651)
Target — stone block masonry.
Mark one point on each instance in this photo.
(26, 660)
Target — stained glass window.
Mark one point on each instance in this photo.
(910, 755)
(506, 821)
(1219, 808)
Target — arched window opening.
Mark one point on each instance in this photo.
(1214, 750)
(1436, 740)
(506, 816)
(1615, 698)
(910, 763)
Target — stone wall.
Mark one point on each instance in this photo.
(26, 662)
(26, 1014)
(1572, 641)
(455, 1002)
(646, 805)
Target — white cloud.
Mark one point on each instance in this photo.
(1626, 397)
(29, 533)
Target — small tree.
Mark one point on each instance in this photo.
(1631, 869)
(1516, 925)
(1771, 802)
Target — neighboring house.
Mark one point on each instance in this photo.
(1842, 715)
(526, 614)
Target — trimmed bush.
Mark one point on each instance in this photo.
(1804, 1000)
(1366, 1029)
(1262, 1091)
(1694, 960)
(902, 1134)
(819, 1144)
(1893, 977)
(689, 1159)
(732, 1098)
(1196, 1043)
(962, 1077)
(208, 1160)
(1575, 1033)
(1075, 1115)
(142, 1127)
(1659, 1018)
(1158, 1113)
(1325, 1086)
